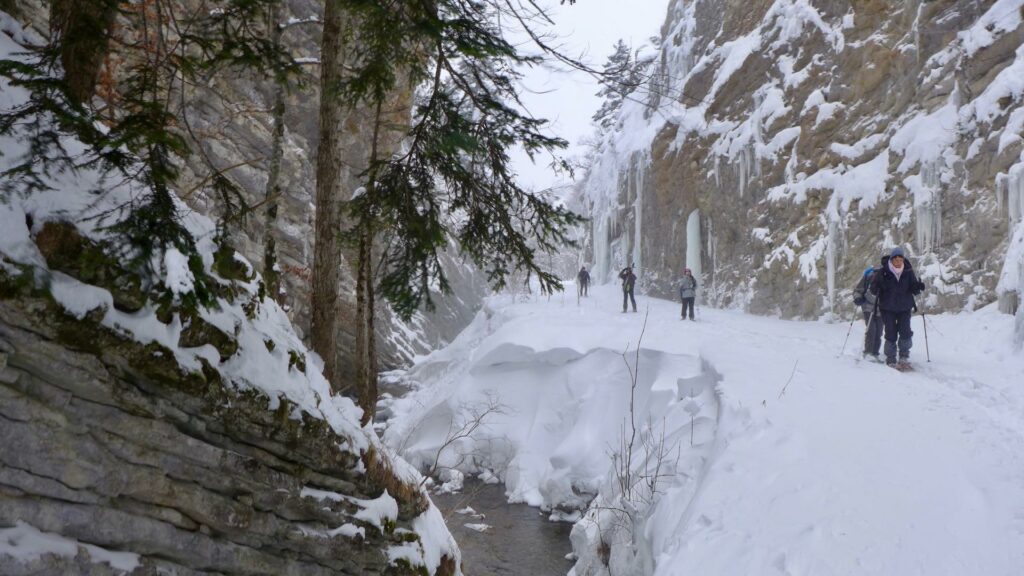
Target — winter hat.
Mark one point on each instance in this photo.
(897, 251)
(687, 270)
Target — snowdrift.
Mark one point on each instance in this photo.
(773, 453)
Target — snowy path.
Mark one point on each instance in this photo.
(855, 469)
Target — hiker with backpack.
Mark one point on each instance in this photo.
(687, 292)
(894, 287)
(628, 284)
(869, 307)
(582, 281)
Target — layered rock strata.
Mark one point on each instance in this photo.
(110, 444)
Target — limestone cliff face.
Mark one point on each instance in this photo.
(189, 478)
(783, 144)
(141, 433)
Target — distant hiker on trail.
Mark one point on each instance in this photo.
(628, 283)
(687, 292)
(895, 286)
(582, 281)
(869, 306)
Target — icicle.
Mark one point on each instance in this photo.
(928, 209)
(743, 170)
(1002, 185)
(638, 184)
(1015, 194)
(830, 262)
(1010, 288)
(755, 120)
(712, 252)
(599, 268)
(1019, 322)
(693, 242)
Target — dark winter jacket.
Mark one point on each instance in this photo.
(687, 287)
(628, 279)
(861, 295)
(896, 295)
(583, 277)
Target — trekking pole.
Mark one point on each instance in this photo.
(848, 330)
(871, 318)
(927, 352)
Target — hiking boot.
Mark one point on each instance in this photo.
(890, 362)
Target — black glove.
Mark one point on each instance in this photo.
(859, 301)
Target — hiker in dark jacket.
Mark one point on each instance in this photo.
(872, 319)
(895, 286)
(583, 281)
(687, 292)
(628, 283)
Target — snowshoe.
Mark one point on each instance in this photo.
(902, 366)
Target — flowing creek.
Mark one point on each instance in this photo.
(519, 540)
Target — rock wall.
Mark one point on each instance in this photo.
(110, 447)
(802, 137)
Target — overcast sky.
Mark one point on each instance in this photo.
(588, 28)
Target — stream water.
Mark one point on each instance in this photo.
(518, 540)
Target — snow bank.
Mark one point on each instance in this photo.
(779, 456)
(25, 544)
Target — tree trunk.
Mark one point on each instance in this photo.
(367, 366)
(271, 275)
(81, 29)
(344, 131)
(327, 258)
(367, 362)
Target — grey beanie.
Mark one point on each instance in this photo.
(897, 251)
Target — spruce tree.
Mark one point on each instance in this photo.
(452, 184)
(135, 133)
(623, 73)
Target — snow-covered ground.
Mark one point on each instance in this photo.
(779, 456)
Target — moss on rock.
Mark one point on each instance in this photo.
(67, 251)
(228, 267)
(379, 477)
(198, 332)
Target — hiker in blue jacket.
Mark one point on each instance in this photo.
(895, 286)
(872, 319)
(687, 292)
